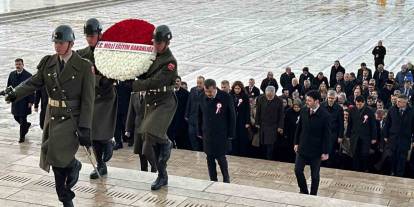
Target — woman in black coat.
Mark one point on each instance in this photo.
(240, 143)
(291, 121)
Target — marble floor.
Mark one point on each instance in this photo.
(236, 40)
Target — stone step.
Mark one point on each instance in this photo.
(126, 187)
(57, 9)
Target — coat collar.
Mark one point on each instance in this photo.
(72, 67)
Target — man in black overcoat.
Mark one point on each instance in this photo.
(362, 131)
(311, 142)
(217, 125)
(20, 109)
(399, 131)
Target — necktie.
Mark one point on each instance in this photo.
(401, 112)
(311, 112)
(61, 65)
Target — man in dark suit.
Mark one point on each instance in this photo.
(286, 78)
(337, 67)
(379, 53)
(191, 113)
(123, 92)
(306, 75)
(270, 115)
(380, 76)
(217, 125)
(251, 89)
(178, 130)
(361, 72)
(269, 81)
(20, 109)
(362, 131)
(336, 114)
(311, 141)
(399, 132)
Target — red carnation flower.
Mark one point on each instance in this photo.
(130, 31)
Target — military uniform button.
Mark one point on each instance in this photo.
(148, 105)
(48, 74)
(63, 91)
(54, 89)
(73, 77)
(63, 118)
(53, 118)
(155, 104)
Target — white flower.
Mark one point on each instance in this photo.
(123, 64)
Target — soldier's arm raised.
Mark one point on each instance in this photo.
(164, 77)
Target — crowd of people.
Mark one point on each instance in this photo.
(266, 123)
(359, 121)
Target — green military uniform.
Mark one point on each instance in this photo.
(105, 107)
(59, 143)
(160, 101)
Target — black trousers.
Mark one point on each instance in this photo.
(315, 166)
(22, 120)
(361, 156)
(222, 161)
(398, 161)
(120, 128)
(195, 142)
(64, 193)
(267, 151)
(378, 61)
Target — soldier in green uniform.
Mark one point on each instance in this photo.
(71, 105)
(160, 104)
(105, 108)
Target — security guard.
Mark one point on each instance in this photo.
(160, 104)
(69, 83)
(105, 108)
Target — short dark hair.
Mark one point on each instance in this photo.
(210, 83)
(305, 69)
(363, 64)
(402, 96)
(183, 83)
(19, 60)
(360, 99)
(178, 77)
(314, 94)
(225, 82)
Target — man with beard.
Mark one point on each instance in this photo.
(105, 108)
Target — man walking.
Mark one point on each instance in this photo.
(69, 81)
(311, 141)
(217, 124)
(20, 109)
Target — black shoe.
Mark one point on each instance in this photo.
(68, 204)
(159, 182)
(102, 171)
(73, 176)
(22, 139)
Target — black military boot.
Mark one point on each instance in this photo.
(164, 153)
(101, 166)
(73, 176)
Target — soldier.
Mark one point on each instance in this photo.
(161, 104)
(105, 107)
(69, 83)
